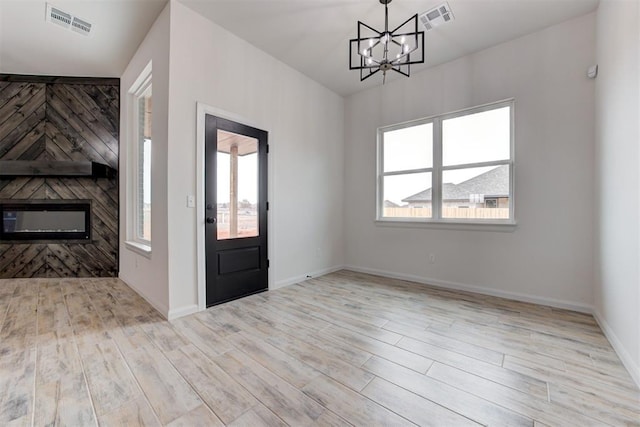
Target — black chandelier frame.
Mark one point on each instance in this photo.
(369, 65)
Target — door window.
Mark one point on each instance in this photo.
(237, 186)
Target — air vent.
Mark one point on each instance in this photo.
(58, 17)
(68, 21)
(437, 16)
(80, 26)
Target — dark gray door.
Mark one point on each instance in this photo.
(236, 210)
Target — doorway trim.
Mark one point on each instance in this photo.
(202, 110)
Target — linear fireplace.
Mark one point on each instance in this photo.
(45, 220)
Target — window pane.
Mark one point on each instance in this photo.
(408, 148)
(407, 196)
(237, 186)
(476, 193)
(474, 138)
(144, 165)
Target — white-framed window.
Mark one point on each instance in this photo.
(451, 168)
(139, 185)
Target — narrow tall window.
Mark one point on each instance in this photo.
(454, 167)
(140, 183)
(143, 228)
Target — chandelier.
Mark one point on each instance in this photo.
(396, 50)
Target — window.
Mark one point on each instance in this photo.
(140, 160)
(456, 167)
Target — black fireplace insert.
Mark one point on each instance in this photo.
(45, 220)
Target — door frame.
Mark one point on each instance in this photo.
(202, 111)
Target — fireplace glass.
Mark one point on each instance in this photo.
(59, 220)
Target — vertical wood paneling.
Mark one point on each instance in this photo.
(49, 119)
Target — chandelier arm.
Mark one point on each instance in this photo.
(406, 22)
(375, 63)
(406, 34)
(407, 53)
(364, 40)
(368, 75)
(402, 45)
(371, 28)
(397, 70)
(420, 61)
(398, 59)
(368, 67)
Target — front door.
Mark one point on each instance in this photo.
(236, 210)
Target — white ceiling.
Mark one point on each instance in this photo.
(312, 36)
(309, 35)
(30, 45)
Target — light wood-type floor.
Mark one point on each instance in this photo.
(342, 349)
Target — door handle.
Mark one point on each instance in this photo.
(210, 220)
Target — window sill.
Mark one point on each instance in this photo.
(139, 248)
(507, 227)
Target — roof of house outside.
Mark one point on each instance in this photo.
(493, 183)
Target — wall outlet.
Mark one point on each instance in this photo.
(432, 258)
(191, 201)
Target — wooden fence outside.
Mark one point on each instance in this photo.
(464, 213)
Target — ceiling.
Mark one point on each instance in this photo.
(312, 36)
(30, 45)
(308, 35)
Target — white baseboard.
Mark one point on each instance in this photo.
(160, 308)
(552, 302)
(293, 280)
(632, 365)
(182, 311)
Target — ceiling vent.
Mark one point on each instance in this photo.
(437, 16)
(80, 26)
(57, 16)
(68, 21)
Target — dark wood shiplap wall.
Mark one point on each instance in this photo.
(43, 118)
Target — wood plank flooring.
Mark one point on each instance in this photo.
(342, 349)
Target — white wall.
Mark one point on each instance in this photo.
(305, 125)
(549, 256)
(617, 278)
(318, 144)
(148, 276)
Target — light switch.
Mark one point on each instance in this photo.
(191, 201)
